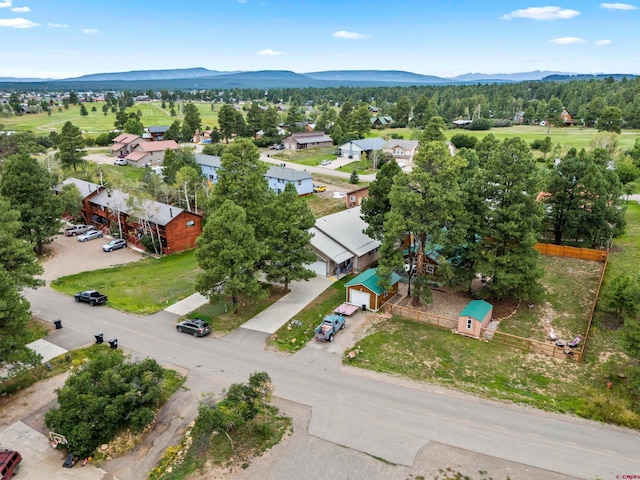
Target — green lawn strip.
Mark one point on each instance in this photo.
(310, 317)
(142, 287)
(221, 317)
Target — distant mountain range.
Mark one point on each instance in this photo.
(202, 78)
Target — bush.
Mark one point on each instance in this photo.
(501, 122)
(480, 124)
(460, 140)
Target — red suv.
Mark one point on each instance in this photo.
(9, 463)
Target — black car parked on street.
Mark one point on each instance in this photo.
(194, 326)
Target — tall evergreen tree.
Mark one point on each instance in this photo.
(70, 145)
(228, 253)
(191, 121)
(288, 243)
(227, 121)
(27, 186)
(510, 185)
(376, 206)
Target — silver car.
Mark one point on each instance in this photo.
(90, 235)
(115, 245)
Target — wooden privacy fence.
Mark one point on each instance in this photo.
(535, 346)
(572, 252)
(420, 316)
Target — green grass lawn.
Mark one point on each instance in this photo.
(143, 287)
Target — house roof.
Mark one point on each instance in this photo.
(384, 120)
(208, 160)
(286, 173)
(160, 146)
(476, 309)
(404, 144)
(156, 212)
(157, 129)
(117, 146)
(365, 144)
(329, 247)
(346, 228)
(369, 278)
(85, 188)
(126, 138)
(136, 155)
(308, 137)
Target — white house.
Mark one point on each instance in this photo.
(353, 149)
(402, 150)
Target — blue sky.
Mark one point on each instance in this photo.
(66, 38)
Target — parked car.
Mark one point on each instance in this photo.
(90, 235)
(115, 245)
(325, 162)
(77, 230)
(319, 188)
(9, 463)
(120, 161)
(329, 327)
(195, 326)
(279, 147)
(92, 297)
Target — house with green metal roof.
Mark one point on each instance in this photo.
(474, 317)
(365, 292)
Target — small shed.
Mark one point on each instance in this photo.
(364, 291)
(474, 317)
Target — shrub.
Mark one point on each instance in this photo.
(480, 124)
(460, 140)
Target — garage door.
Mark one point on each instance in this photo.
(320, 267)
(360, 298)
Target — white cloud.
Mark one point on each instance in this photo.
(542, 13)
(618, 6)
(6, 4)
(567, 40)
(21, 9)
(269, 52)
(602, 43)
(57, 25)
(17, 23)
(348, 35)
(89, 31)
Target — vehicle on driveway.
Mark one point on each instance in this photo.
(120, 161)
(195, 326)
(92, 297)
(319, 188)
(115, 245)
(9, 464)
(77, 230)
(90, 235)
(329, 327)
(324, 163)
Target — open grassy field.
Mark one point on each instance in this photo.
(96, 122)
(576, 137)
(142, 287)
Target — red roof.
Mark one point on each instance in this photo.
(126, 138)
(136, 155)
(160, 146)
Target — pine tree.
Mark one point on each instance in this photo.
(70, 144)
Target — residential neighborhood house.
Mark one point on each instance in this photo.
(177, 228)
(381, 122)
(150, 153)
(354, 197)
(340, 244)
(278, 177)
(402, 150)
(353, 150)
(304, 140)
(124, 144)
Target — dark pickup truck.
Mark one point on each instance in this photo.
(92, 297)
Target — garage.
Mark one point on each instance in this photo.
(320, 267)
(360, 298)
(364, 290)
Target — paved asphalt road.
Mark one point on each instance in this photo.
(388, 420)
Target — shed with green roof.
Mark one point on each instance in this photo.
(364, 290)
(474, 317)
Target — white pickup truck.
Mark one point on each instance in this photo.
(77, 230)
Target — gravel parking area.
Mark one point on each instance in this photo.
(69, 256)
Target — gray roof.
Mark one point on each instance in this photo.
(345, 229)
(85, 188)
(308, 137)
(156, 212)
(157, 129)
(329, 247)
(286, 173)
(208, 160)
(367, 144)
(404, 144)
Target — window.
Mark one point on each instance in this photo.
(430, 268)
(191, 223)
(469, 323)
(352, 198)
(299, 182)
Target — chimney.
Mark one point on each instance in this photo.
(171, 212)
